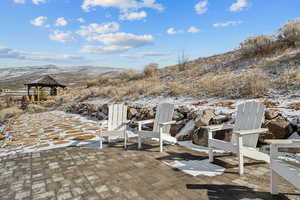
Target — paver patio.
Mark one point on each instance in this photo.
(113, 173)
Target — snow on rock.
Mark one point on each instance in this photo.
(190, 125)
(197, 167)
(295, 136)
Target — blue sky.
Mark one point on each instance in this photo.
(131, 33)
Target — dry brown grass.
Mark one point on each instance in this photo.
(294, 106)
(289, 80)
(228, 84)
(9, 112)
(270, 104)
(226, 75)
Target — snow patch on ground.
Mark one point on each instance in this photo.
(197, 167)
(289, 157)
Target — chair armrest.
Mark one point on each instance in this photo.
(288, 143)
(250, 132)
(140, 123)
(167, 123)
(126, 122)
(149, 121)
(218, 127)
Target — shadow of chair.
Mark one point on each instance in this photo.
(233, 192)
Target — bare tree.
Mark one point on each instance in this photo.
(182, 61)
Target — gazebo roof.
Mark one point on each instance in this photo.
(46, 81)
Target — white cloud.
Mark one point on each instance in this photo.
(39, 21)
(62, 36)
(121, 4)
(81, 20)
(37, 2)
(124, 39)
(239, 5)
(171, 31)
(19, 1)
(8, 53)
(133, 15)
(95, 29)
(193, 29)
(61, 22)
(225, 24)
(154, 53)
(201, 7)
(103, 49)
(117, 42)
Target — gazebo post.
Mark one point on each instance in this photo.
(38, 93)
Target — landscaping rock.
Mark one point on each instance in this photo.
(132, 113)
(279, 128)
(271, 114)
(204, 118)
(2, 137)
(200, 136)
(175, 129)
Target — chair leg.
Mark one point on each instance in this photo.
(101, 143)
(210, 152)
(125, 140)
(274, 184)
(160, 140)
(240, 155)
(139, 142)
(211, 155)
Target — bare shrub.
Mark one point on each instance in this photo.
(257, 45)
(290, 79)
(131, 75)
(150, 69)
(9, 112)
(290, 32)
(228, 84)
(182, 61)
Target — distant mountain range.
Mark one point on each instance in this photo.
(15, 77)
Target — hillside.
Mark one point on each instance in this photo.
(263, 66)
(14, 78)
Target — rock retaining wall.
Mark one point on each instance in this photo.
(189, 121)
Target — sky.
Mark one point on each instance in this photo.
(131, 33)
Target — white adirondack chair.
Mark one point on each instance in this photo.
(117, 123)
(246, 130)
(162, 125)
(280, 168)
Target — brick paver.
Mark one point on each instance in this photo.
(113, 173)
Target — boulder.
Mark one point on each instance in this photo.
(2, 137)
(183, 110)
(200, 136)
(204, 118)
(220, 119)
(271, 114)
(178, 116)
(279, 128)
(132, 113)
(175, 128)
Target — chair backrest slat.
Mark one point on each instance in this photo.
(164, 113)
(250, 115)
(117, 114)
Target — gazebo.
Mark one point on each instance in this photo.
(44, 81)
